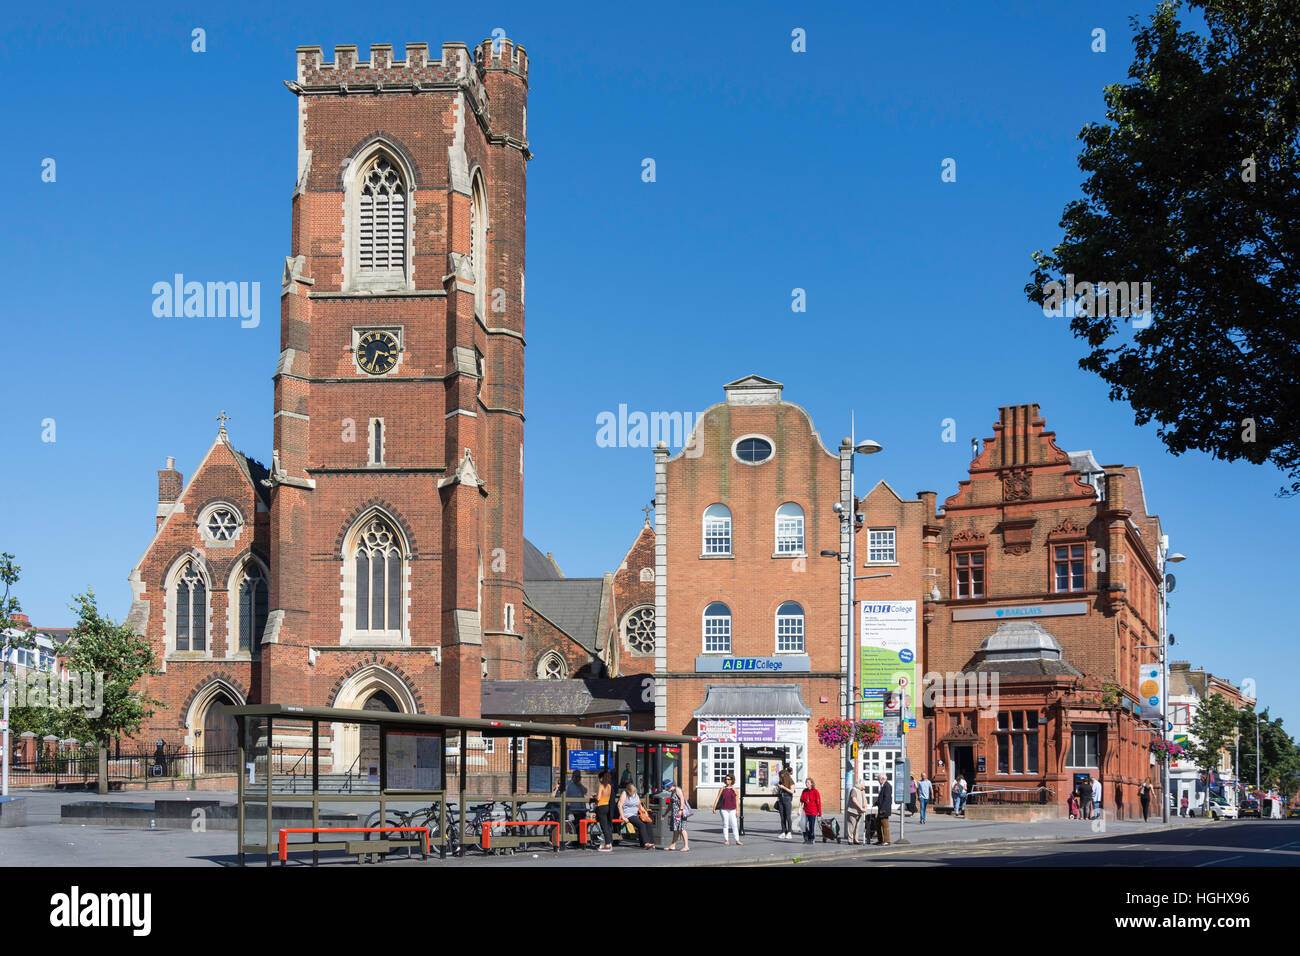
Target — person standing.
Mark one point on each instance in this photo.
(605, 809)
(727, 803)
(1096, 799)
(923, 791)
(1085, 799)
(676, 815)
(857, 807)
(884, 807)
(911, 796)
(958, 797)
(811, 802)
(1144, 798)
(1182, 812)
(784, 799)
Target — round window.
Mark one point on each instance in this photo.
(753, 450)
(222, 524)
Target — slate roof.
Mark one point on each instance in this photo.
(572, 604)
(1022, 649)
(741, 700)
(537, 566)
(569, 698)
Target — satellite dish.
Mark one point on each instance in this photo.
(1170, 581)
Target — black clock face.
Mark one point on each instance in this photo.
(377, 352)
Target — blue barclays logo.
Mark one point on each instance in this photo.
(1019, 612)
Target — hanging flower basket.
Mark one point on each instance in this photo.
(1167, 750)
(835, 732)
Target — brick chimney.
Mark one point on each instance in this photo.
(169, 489)
(22, 620)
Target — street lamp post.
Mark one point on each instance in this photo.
(1164, 680)
(848, 521)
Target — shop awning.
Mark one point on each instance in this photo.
(747, 700)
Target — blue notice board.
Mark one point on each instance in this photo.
(586, 760)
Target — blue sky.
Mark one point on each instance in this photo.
(775, 171)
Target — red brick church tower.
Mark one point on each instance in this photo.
(396, 533)
(383, 552)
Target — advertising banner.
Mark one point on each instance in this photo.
(887, 672)
(1151, 690)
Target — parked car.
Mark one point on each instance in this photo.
(1222, 810)
(1250, 809)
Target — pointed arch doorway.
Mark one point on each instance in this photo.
(220, 736)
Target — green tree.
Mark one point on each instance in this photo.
(1280, 764)
(1193, 185)
(1212, 731)
(12, 636)
(98, 645)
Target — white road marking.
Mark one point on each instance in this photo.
(1224, 860)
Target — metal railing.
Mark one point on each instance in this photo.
(73, 768)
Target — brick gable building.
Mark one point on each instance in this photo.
(1047, 570)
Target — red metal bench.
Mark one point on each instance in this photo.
(373, 847)
(588, 821)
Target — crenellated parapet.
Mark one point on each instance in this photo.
(502, 53)
(347, 74)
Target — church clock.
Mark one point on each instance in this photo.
(377, 352)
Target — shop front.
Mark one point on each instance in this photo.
(750, 732)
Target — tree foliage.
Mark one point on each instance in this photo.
(1280, 765)
(1193, 185)
(1212, 731)
(98, 645)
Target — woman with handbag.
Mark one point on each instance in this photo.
(637, 817)
(784, 799)
(727, 803)
(679, 811)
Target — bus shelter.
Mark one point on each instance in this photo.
(322, 778)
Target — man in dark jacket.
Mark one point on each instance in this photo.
(884, 805)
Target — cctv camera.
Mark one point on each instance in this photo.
(838, 508)
(860, 517)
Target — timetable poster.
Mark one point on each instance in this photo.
(414, 760)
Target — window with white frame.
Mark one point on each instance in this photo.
(381, 219)
(717, 628)
(716, 762)
(1083, 748)
(717, 529)
(789, 628)
(875, 761)
(789, 529)
(880, 546)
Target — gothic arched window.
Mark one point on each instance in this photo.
(191, 609)
(378, 582)
(381, 219)
(552, 667)
(252, 607)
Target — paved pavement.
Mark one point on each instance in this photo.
(943, 841)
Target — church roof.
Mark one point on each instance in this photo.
(538, 566)
(571, 604)
(571, 698)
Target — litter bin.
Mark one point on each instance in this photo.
(662, 832)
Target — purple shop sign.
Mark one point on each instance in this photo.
(755, 731)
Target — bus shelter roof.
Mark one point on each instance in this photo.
(490, 728)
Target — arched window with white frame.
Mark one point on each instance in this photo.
(190, 594)
(717, 629)
(378, 578)
(789, 529)
(552, 667)
(717, 529)
(789, 628)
